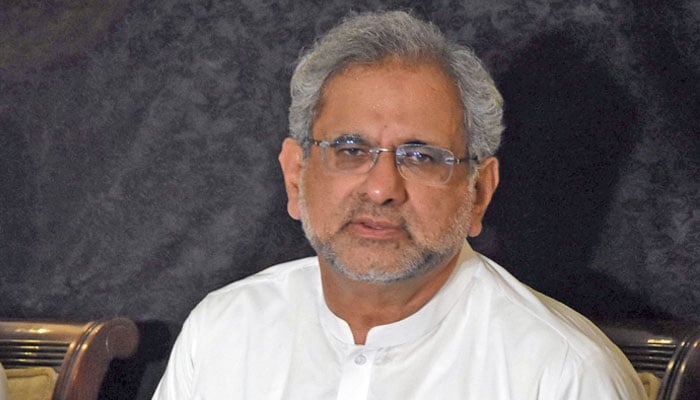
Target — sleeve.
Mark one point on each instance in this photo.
(3, 384)
(177, 381)
(599, 377)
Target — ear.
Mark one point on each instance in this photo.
(291, 160)
(485, 186)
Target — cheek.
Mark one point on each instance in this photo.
(324, 199)
(437, 211)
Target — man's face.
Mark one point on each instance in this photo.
(377, 226)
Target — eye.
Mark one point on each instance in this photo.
(350, 148)
(420, 156)
(350, 151)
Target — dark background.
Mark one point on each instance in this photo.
(138, 144)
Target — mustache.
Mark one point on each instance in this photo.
(366, 209)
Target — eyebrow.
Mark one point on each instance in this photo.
(416, 142)
(349, 138)
(356, 138)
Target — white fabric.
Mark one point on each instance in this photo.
(484, 336)
(3, 384)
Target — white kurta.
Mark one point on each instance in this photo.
(484, 336)
(3, 384)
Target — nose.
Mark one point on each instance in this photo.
(383, 184)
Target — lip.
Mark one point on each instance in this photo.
(376, 228)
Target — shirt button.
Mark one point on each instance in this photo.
(361, 359)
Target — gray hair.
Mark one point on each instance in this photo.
(372, 37)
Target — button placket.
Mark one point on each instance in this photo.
(356, 375)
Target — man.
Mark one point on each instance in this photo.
(389, 168)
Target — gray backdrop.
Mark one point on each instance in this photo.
(138, 144)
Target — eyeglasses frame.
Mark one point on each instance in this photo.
(452, 160)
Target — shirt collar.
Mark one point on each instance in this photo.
(416, 325)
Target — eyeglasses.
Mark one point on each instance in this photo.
(416, 162)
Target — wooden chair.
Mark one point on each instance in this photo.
(80, 353)
(669, 350)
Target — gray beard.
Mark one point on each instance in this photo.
(425, 261)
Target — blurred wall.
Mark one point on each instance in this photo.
(138, 144)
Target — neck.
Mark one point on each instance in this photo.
(364, 305)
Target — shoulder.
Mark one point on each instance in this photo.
(261, 296)
(576, 355)
(536, 312)
(273, 283)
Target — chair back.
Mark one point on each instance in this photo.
(670, 350)
(79, 352)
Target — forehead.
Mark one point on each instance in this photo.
(392, 101)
